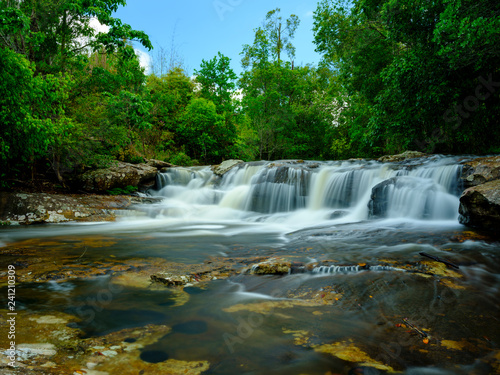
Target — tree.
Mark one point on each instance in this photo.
(280, 35)
(31, 113)
(55, 34)
(286, 105)
(407, 70)
(203, 132)
(169, 94)
(130, 111)
(166, 59)
(271, 40)
(217, 81)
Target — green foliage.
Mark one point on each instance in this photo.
(289, 110)
(180, 158)
(31, 113)
(204, 133)
(408, 70)
(395, 75)
(217, 81)
(271, 40)
(125, 191)
(53, 34)
(170, 94)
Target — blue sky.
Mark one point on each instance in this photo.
(201, 28)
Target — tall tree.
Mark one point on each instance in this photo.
(271, 40)
(217, 81)
(286, 105)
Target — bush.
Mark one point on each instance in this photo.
(181, 158)
(125, 191)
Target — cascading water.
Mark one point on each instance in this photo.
(307, 193)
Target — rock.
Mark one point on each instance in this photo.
(480, 171)
(480, 206)
(400, 157)
(159, 164)
(171, 280)
(379, 200)
(348, 351)
(225, 166)
(271, 266)
(119, 175)
(26, 351)
(17, 208)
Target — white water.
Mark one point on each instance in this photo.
(298, 195)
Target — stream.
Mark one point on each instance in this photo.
(283, 267)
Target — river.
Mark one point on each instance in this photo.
(286, 268)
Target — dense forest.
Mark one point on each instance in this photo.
(395, 75)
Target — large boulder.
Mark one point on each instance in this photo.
(119, 175)
(481, 170)
(480, 206)
(225, 166)
(159, 164)
(401, 157)
(32, 208)
(379, 199)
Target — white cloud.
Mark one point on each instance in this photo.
(144, 59)
(309, 14)
(97, 26)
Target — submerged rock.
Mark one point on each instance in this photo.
(348, 351)
(480, 206)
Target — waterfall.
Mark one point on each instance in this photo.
(421, 189)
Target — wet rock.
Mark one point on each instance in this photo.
(337, 214)
(225, 166)
(379, 200)
(480, 206)
(481, 170)
(119, 175)
(271, 266)
(171, 280)
(188, 275)
(401, 157)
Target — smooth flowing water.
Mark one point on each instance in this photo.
(356, 290)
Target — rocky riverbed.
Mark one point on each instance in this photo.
(57, 341)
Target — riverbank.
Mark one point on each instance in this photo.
(39, 208)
